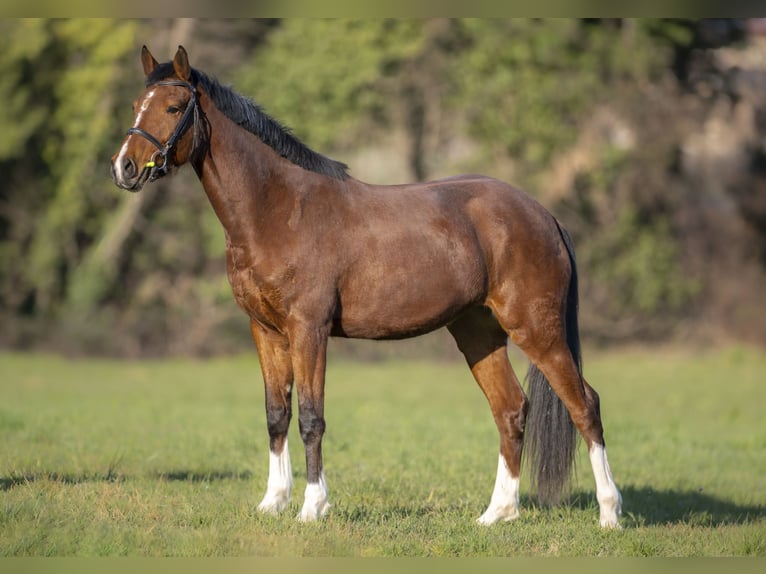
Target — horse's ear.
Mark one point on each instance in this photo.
(181, 64)
(148, 61)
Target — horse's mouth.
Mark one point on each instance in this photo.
(134, 188)
(135, 185)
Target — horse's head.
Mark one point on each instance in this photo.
(166, 127)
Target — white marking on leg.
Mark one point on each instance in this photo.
(315, 503)
(609, 498)
(504, 504)
(120, 161)
(280, 482)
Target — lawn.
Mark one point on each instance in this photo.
(169, 458)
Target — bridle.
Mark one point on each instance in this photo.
(191, 114)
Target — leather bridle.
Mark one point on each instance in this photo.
(191, 116)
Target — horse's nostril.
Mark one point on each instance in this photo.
(129, 168)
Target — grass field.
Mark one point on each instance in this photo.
(169, 458)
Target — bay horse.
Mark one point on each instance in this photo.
(312, 252)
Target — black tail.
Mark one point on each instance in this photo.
(550, 435)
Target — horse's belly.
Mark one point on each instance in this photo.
(408, 296)
(391, 326)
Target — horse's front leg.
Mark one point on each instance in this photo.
(277, 368)
(308, 344)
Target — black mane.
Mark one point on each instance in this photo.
(246, 113)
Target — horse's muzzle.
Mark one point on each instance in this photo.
(127, 176)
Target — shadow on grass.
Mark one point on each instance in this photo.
(646, 506)
(203, 476)
(9, 482)
(642, 506)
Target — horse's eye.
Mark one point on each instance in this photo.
(173, 109)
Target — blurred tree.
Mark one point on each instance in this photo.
(21, 43)
(606, 121)
(322, 77)
(86, 96)
(528, 87)
(27, 63)
(340, 82)
(62, 73)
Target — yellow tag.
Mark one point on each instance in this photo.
(150, 164)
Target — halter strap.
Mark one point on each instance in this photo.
(189, 117)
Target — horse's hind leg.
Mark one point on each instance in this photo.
(609, 498)
(554, 359)
(274, 355)
(484, 345)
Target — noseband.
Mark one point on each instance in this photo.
(190, 115)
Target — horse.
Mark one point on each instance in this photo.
(313, 253)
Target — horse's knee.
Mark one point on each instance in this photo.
(511, 426)
(311, 425)
(515, 417)
(277, 420)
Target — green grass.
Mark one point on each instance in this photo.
(169, 458)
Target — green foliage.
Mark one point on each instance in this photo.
(637, 262)
(524, 86)
(511, 98)
(59, 77)
(81, 124)
(323, 78)
(530, 74)
(529, 86)
(21, 43)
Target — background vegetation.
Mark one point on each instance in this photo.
(646, 137)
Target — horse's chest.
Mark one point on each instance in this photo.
(263, 303)
(260, 298)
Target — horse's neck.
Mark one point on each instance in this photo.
(244, 181)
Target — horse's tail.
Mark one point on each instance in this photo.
(550, 435)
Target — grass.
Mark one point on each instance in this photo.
(169, 458)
